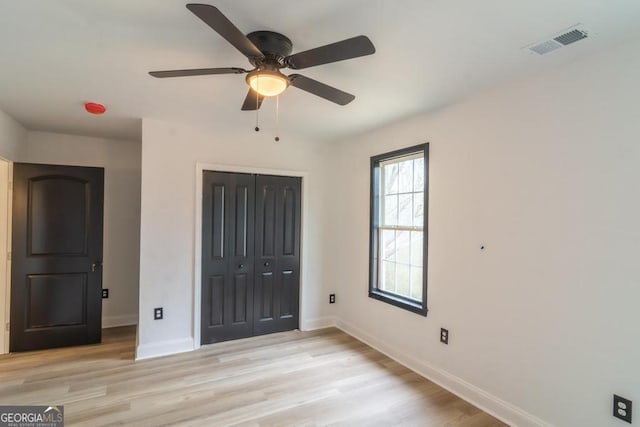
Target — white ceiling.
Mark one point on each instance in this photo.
(56, 55)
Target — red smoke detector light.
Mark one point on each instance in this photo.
(95, 108)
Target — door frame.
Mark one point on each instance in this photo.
(197, 254)
(5, 247)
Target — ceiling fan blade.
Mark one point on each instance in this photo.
(320, 89)
(197, 72)
(250, 103)
(338, 51)
(220, 24)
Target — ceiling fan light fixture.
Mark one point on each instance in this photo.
(267, 83)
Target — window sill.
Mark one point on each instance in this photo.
(413, 306)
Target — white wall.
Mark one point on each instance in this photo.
(167, 255)
(121, 161)
(545, 172)
(13, 137)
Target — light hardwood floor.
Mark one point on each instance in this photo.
(289, 379)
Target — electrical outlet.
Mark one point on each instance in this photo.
(622, 408)
(332, 298)
(157, 313)
(444, 336)
(105, 293)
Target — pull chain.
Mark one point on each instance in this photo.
(277, 138)
(257, 128)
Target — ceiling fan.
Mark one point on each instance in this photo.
(269, 52)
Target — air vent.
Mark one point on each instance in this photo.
(567, 37)
(571, 37)
(546, 47)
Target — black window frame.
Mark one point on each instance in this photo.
(374, 291)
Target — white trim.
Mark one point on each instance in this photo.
(5, 247)
(489, 403)
(164, 348)
(418, 154)
(10, 262)
(197, 262)
(318, 323)
(120, 320)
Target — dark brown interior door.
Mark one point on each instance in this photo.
(250, 255)
(227, 256)
(56, 276)
(277, 254)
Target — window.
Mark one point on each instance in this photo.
(398, 258)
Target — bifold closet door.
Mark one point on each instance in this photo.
(228, 208)
(277, 289)
(250, 255)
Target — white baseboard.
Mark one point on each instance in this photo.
(318, 323)
(489, 403)
(164, 348)
(122, 320)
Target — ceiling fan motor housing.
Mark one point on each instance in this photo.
(275, 47)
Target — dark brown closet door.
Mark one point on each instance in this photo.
(250, 255)
(277, 290)
(227, 256)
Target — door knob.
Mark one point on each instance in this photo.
(266, 263)
(241, 265)
(95, 265)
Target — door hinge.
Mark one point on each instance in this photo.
(10, 185)
(8, 256)
(6, 327)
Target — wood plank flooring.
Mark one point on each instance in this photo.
(294, 378)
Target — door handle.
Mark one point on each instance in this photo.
(266, 263)
(95, 265)
(241, 266)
